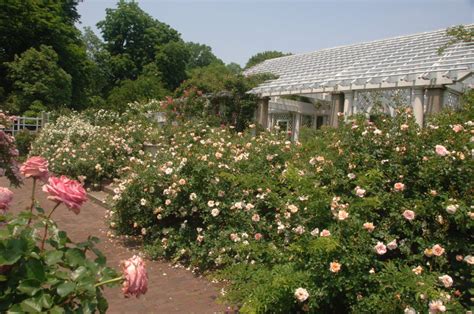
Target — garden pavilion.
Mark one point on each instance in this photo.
(313, 88)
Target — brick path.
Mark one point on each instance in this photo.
(171, 290)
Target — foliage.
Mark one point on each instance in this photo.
(23, 141)
(171, 60)
(30, 24)
(457, 34)
(200, 56)
(8, 151)
(274, 215)
(92, 146)
(262, 56)
(38, 80)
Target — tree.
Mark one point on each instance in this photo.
(171, 60)
(234, 68)
(262, 56)
(38, 81)
(132, 36)
(200, 56)
(31, 23)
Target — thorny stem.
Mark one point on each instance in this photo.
(46, 226)
(32, 199)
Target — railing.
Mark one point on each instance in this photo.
(31, 124)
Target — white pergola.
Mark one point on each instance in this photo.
(408, 68)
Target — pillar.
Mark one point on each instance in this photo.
(434, 100)
(296, 126)
(348, 103)
(337, 107)
(417, 105)
(262, 112)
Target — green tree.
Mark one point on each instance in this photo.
(200, 56)
(132, 36)
(234, 68)
(38, 81)
(171, 60)
(32, 23)
(262, 56)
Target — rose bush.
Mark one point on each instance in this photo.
(363, 218)
(8, 151)
(41, 269)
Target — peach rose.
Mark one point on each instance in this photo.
(258, 236)
(325, 233)
(369, 226)
(334, 267)
(441, 150)
(135, 277)
(301, 294)
(399, 186)
(35, 167)
(392, 245)
(67, 191)
(6, 197)
(446, 280)
(409, 214)
(436, 307)
(438, 250)
(457, 128)
(417, 270)
(380, 248)
(342, 215)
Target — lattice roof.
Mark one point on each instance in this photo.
(403, 61)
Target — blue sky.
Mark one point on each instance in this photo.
(236, 30)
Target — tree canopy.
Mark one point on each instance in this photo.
(262, 56)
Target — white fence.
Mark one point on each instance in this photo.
(31, 124)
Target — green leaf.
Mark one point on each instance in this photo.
(39, 209)
(35, 270)
(53, 257)
(75, 257)
(78, 273)
(31, 305)
(56, 310)
(30, 286)
(46, 301)
(12, 250)
(65, 288)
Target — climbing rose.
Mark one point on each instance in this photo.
(441, 150)
(135, 277)
(438, 250)
(301, 294)
(35, 167)
(437, 307)
(446, 280)
(67, 191)
(6, 197)
(380, 248)
(409, 214)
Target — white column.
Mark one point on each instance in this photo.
(296, 126)
(348, 103)
(417, 104)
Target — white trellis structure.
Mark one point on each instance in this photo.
(400, 71)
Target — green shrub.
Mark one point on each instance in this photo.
(23, 141)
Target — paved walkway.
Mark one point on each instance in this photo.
(171, 290)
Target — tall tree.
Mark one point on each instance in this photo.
(200, 55)
(38, 81)
(131, 36)
(262, 56)
(171, 60)
(31, 23)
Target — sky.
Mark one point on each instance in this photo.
(238, 29)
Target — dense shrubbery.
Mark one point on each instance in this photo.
(369, 217)
(93, 146)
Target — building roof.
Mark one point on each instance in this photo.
(403, 61)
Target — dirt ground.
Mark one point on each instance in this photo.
(171, 290)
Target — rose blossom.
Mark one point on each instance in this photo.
(392, 245)
(334, 267)
(399, 186)
(451, 209)
(438, 250)
(325, 233)
(436, 307)
(293, 208)
(446, 280)
(457, 128)
(441, 150)
(67, 191)
(135, 277)
(255, 218)
(380, 248)
(342, 215)
(258, 236)
(6, 196)
(359, 191)
(35, 167)
(409, 310)
(417, 270)
(369, 226)
(404, 127)
(301, 294)
(469, 259)
(409, 214)
(215, 212)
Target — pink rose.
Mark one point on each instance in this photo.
(35, 167)
(446, 280)
(67, 191)
(399, 186)
(392, 245)
(436, 307)
(135, 277)
(380, 248)
(438, 250)
(441, 150)
(258, 236)
(325, 233)
(342, 215)
(369, 226)
(457, 128)
(409, 214)
(6, 197)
